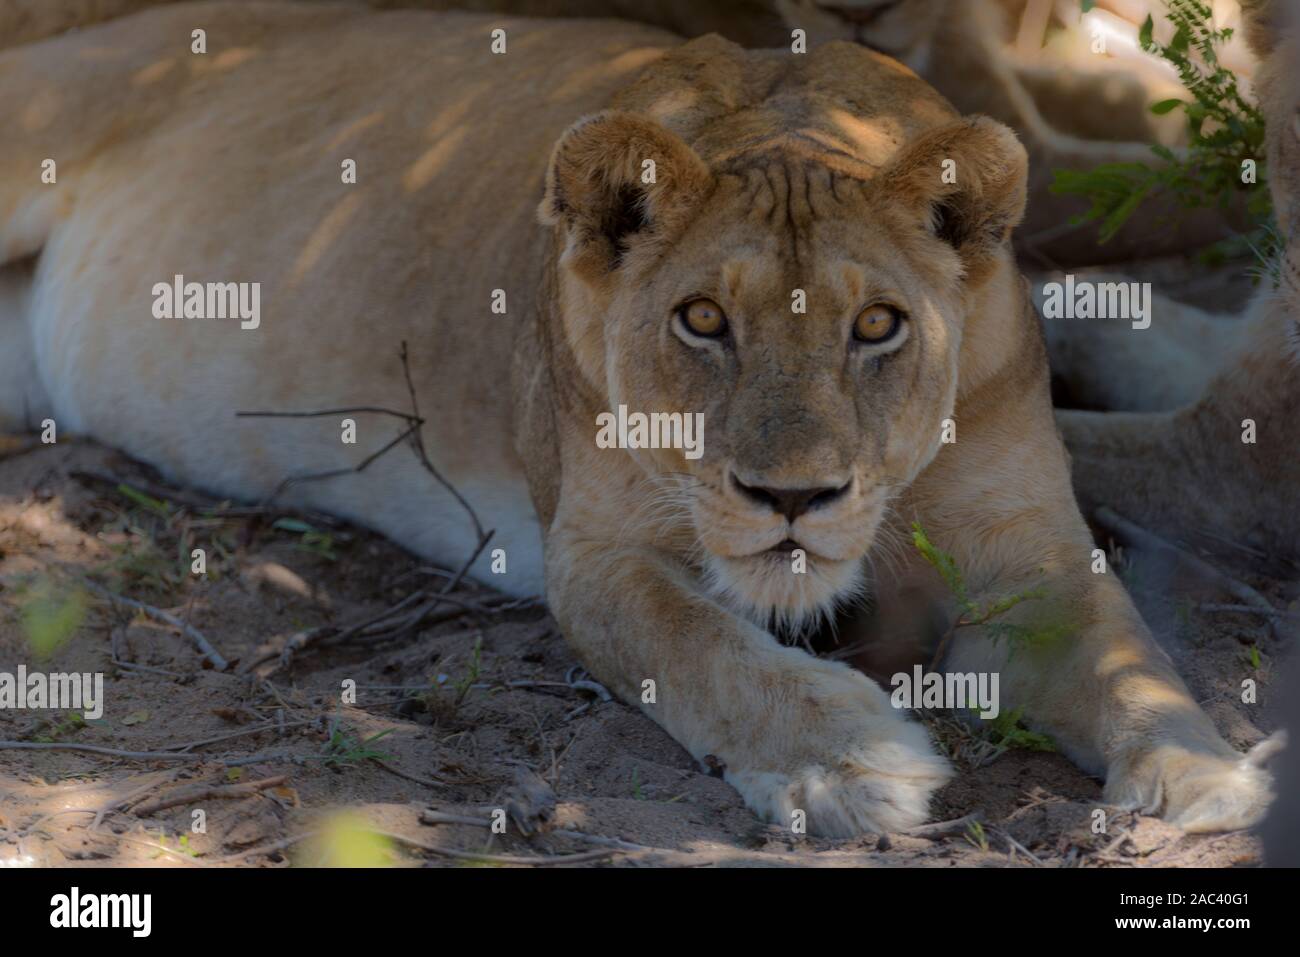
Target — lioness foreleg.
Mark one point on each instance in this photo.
(795, 733)
(1113, 702)
(1077, 661)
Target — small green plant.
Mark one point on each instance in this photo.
(977, 836)
(1224, 130)
(153, 529)
(51, 616)
(636, 785)
(141, 565)
(71, 723)
(1006, 731)
(147, 502)
(973, 614)
(345, 750)
(1252, 657)
(312, 540)
(471, 675)
(182, 847)
(435, 699)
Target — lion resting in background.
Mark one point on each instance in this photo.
(694, 194)
(1190, 391)
(957, 45)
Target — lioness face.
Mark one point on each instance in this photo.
(818, 337)
(806, 304)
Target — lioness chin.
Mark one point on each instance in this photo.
(813, 252)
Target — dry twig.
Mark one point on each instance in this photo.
(204, 646)
(209, 792)
(395, 622)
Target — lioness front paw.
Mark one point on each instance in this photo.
(871, 770)
(878, 791)
(1197, 792)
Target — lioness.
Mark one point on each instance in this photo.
(812, 252)
(1211, 398)
(957, 45)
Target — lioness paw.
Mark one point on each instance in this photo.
(1197, 792)
(879, 787)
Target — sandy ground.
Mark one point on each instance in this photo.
(478, 710)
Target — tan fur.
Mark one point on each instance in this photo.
(773, 173)
(26, 21)
(959, 47)
(1249, 368)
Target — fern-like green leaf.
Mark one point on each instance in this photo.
(943, 563)
(1224, 130)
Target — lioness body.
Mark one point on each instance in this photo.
(319, 247)
(772, 180)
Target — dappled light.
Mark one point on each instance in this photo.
(841, 435)
(325, 234)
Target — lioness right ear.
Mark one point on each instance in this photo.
(967, 180)
(618, 179)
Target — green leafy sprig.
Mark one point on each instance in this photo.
(1224, 130)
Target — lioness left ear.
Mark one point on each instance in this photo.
(969, 179)
(616, 178)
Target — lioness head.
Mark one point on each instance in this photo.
(790, 246)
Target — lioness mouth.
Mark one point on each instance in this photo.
(785, 547)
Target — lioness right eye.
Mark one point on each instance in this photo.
(703, 317)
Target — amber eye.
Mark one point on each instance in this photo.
(876, 323)
(704, 317)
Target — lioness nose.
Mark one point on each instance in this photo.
(791, 502)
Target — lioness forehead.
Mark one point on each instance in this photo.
(845, 104)
(755, 270)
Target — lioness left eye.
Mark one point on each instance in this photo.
(877, 323)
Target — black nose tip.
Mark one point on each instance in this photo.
(791, 502)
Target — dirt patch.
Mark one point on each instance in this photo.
(480, 708)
